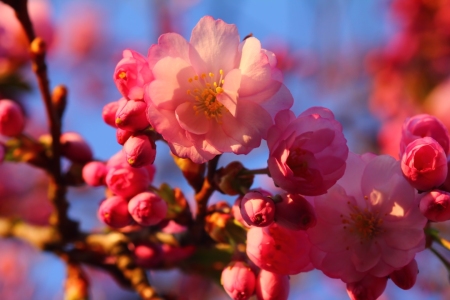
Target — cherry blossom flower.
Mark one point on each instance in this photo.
(257, 209)
(147, 209)
(238, 280)
(307, 153)
(368, 288)
(271, 286)
(369, 223)
(94, 173)
(213, 94)
(12, 120)
(435, 205)
(114, 212)
(140, 150)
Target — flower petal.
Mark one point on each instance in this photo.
(169, 44)
(190, 120)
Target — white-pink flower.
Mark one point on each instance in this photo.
(213, 94)
(369, 223)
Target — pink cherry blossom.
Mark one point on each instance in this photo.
(140, 150)
(130, 116)
(147, 209)
(368, 288)
(123, 135)
(126, 181)
(119, 160)
(94, 173)
(271, 286)
(369, 223)
(435, 206)
(278, 249)
(75, 148)
(421, 126)
(257, 209)
(307, 153)
(109, 111)
(238, 280)
(12, 120)
(424, 164)
(131, 75)
(405, 278)
(213, 94)
(294, 212)
(114, 212)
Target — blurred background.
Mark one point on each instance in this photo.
(372, 62)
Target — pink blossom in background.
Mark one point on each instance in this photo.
(213, 94)
(12, 120)
(307, 153)
(405, 278)
(147, 208)
(132, 73)
(424, 164)
(278, 249)
(238, 280)
(435, 206)
(257, 209)
(369, 223)
(424, 125)
(147, 255)
(75, 148)
(368, 288)
(271, 286)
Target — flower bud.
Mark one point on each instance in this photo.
(126, 181)
(369, 288)
(405, 278)
(257, 209)
(424, 164)
(12, 120)
(147, 255)
(147, 209)
(295, 212)
(131, 116)
(109, 111)
(140, 151)
(94, 173)
(238, 280)
(114, 212)
(236, 212)
(123, 135)
(75, 148)
(173, 254)
(232, 179)
(424, 125)
(272, 286)
(435, 206)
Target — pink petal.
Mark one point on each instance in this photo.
(216, 43)
(365, 256)
(338, 264)
(403, 239)
(198, 156)
(169, 44)
(190, 121)
(230, 95)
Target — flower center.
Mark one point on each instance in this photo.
(297, 161)
(122, 75)
(364, 223)
(205, 90)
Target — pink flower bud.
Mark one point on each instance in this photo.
(147, 255)
(421, 126)
(405, 278)
(278, 249)
(257, 209)
(131, 74)
(147, 209)
(173, 254)
(236, 211)
(238, 280)
(131, 116)
(271, 286)
(114, 212)
(110, 110)
(369, 288)
(140, 151)
(435, 206)
(75, 148)
(424, 164)
(123, 135)
(94, 173)
(127, 182)
(12, 120)
(295, 212)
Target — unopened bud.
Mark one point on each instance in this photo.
(405, 278)
(238, 280)
(295, 212)
(123, 135)
(147, 209)
(369, 288)
(59, 99)
(12, 120)
(94, 173)
(257, 209)
(139, 150)
(38, 46)
(232, 180)
(131, 116)
(113, 211)
(270, 286)
(109, 111)
(127, 181)
(147, 255)
(435, 206)
(75, 148)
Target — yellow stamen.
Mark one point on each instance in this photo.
(122, 75)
